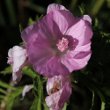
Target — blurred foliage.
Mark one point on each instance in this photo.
(91, 86)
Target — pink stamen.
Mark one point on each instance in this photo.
(62, 44)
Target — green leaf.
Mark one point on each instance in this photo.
(30, 21)
(96, 23)
(103, 105)
(7, 70)
(38, 17)
(29, 72)
(65, 106)
(45, 106)
(2, 97)
(104, 34)
(38, 87)
(20, 27)
(82, 9)
(93, 100)
(11, 98)
(5, 85)
(3, 91)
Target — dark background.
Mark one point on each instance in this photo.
(15, 12)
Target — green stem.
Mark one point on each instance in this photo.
(102, 106)
(93, 100)
(40, 93)
(29, 72)
(45, 107)
(65, 106)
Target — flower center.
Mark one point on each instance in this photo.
(62, 44)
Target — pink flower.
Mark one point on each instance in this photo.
(59, 90)
(17, 57)
(59, 43)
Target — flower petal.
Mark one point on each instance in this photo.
(18, 56)
(54, 6)
(77, 59)
(52, 101)
(66, 92)
(81, 31)
(26, 89)
(58, 97)
(64, 20)
(87, 18)
(50, 67)
(28, 33)
(47, 27)
(41, 57)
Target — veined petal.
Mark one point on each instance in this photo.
(28, 33)
(41, 56)
(81, 31)
(47, 28)
(76, 62)
(64, 20)
(50, 67)
(54, 6)
(78, 58)
(50, 48)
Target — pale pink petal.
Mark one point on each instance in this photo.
(87, 18)
(75, 64)
(26, 89)
(78, 58)
(53, 7)
(18, 57)
(52, 100)
(81, 31)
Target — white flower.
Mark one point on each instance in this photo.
(16, 57)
